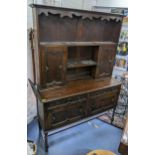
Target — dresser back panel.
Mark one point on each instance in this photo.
(55, 28)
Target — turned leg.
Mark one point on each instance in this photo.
(113, 114)
(39, 125)
(46, 141)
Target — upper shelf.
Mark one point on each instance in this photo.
(93, 43)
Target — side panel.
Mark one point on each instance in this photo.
(36, 48)
(41, 113)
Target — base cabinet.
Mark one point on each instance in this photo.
(71, 109)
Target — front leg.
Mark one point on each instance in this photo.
(113, 114)
(46, 141)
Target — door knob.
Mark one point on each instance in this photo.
(60, 66)
(46, 68)
(110, 61)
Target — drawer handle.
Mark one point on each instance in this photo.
(80, 110)
(60, 66)
(110, 61)
(46, 68)
(113, 99)
(53, 118)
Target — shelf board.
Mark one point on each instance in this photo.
(78, 77)
(93, 43)
(82, 63)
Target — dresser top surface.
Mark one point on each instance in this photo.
(75, 88)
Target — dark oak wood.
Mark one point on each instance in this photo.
(75, 43)
(123, 149)
(106, 57)
(75, 88)
(53, 62)
(74, 56)
(31, 38)
(59, 106)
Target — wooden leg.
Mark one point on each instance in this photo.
(46, 141)
(113, 114)
(39, 125)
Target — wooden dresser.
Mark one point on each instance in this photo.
(74, 53)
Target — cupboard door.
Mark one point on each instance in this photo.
(106, 57)
(65, 111)
(54, 65)
(76, 108)
(56, 116)
(102, 100)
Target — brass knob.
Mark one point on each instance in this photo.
(110, 61)
(46, 68)
(53, 118)
(60, 66)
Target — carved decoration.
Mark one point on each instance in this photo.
(83, 15)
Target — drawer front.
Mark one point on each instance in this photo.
(101, 104)
(102, 100)
(65, 111)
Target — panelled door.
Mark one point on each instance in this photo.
(106, 57)
(53, 65)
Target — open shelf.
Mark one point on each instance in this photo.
(79, 73)
(79, 64)
(93, 43)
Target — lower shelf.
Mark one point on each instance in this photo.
(82, 63)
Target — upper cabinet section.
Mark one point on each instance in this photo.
(73, 44)
(61, 24)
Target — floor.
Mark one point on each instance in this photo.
(78, 140)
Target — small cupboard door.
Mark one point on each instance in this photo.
(53, 65)
(106, 57)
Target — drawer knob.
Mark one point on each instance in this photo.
(110, 61)
(53, 118)
(60, 66)
(46, 68)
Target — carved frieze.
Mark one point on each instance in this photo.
(83, 15)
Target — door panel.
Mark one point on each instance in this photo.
(68, 111)
(54, 65)
(56, 116)
(106, 60)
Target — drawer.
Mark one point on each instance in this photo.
(106, 92)
(100, 105)
(68, 100)
(70, 111)
(102, 100)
